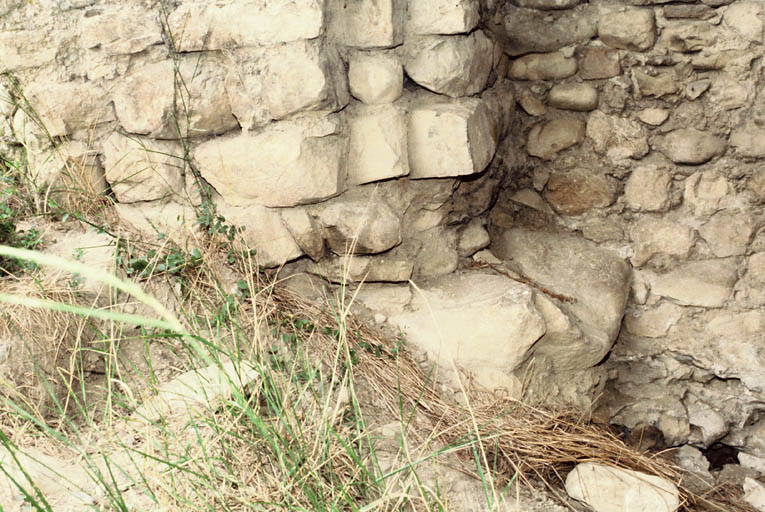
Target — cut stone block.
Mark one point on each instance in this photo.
(369, 23)
(378, 145)
(375, 77)
(426, 17)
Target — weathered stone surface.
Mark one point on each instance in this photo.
(547, 4)
(531, 104)
(546, 140)
(630, 29)
(531, 33)
(728, 234)
(360, 226)
(542, 66)
(653, 323)
(689, 36)
(653, 116)
(120, 32)
(597, 279)
(579, 190)
(756, 269)
(378, 144)
(597, 63)
(704, 191)
(67, 171)
(610, 489)
(756, 184)
(27, 48)
(305, 230)
(617, 137)
(707, 283)
(483, 323)
(270, 167)
(142, 169)
(472, 238)
(660, 237)
(531, 199)
(749, 141)
(375, 77)
(427, 17)
(746, 19)
(656, 85)
(438, 252)
(451, 65)
(754, 493)
(64, 108)
(728, 93)
(171, 221)
(368, 269)
(96, 250)
(369, 23)
(688, 11)
(450, 139)
(205, 26)
(648, 188)
(573, 96)
(690, 146)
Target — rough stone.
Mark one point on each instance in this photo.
(23, 49)
(531, 199)
(483, 323)
(746, 19)
(360, 226)
(472, 238)
(546, 140)
(369, 23)
(543, 66)
(378, 144)
(658, 85)
(707, 283)
(305, 230)
(704, 191)
(653, 116)
(728, 234)
(754, 493)
(689, 36)
(430, 17)
(579, 190)
(598, 63)
(125, 31)
(648, 189)
(66, 171)
(756, 184)
(453, 138)
(749, 141)
(579, 97)
(756, 268)
(438, 253)
(367, 269)
(630, 29)
(728, 93)
(531, 104)
(529, 32)
(171, 221)
(375, 77)
(660, 237)
(270, 167)
(142, 169)
(653, 323)
(689, 146)
(547, 4)
(617, 137)
(96, 250)
(64, 108)
(451, 65)
(610, 489)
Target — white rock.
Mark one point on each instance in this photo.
(171, 220)
(648, 188)
(660, 237)
(609, 489)
(375, 77)
(378, 144)
(704, 191)
(450, 139)
(451, 65)
(360, 226)
(426, 17)
(653, 116)
(28, 48)
(754, 493)
(752, 462)
(64, 108)
(305, 230)
(66, 171)
(710, 425)
(746, 19)
(653, 323)
(472, 238)
(617, 137)
(96, 250)
(630, 29)
(142, 169)
(270, 167)
(121, 31)
(728, 234)
(369, 23)
(707, 283)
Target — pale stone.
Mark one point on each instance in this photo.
(438, 254)
(96, 250)
(264, 231)
(479, 322)
(630, 29)
(472, 238)
(749, 141)
(360, 226)
(367, 269)
(389, 299)
(375, 77)
(426, 17)
(595, 278)
(660, 237)
(305, 230)
(754, 493)
(707, 424)
(746, 19)
(532, 199)
(546, 140)
(119, 32)
(610, 489)
(696, 88)
(531, 104)
(756, 184)
(692, 459)
(143, 169)
(690, 146)
(378, 144)
(689, 36)
(704, 191)
(728, 234)
(707, 283)
(450, 139)
(648, 188)
(579, 190)
(728, 93)
(70, 169)
(547, 4)
(270, 167)
(598, 63)
(531, 33)
(617, 137)
(655, 86)
(64, 108)
(653, 116)
(653, 323)
(544, 66)
(752, 462)
(206, 26)
(28, 48)
(369, 23)
(756, 268)
(171, 221)
(451, 65)
(562, 339)
(579, 97)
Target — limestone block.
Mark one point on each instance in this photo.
(472, 238)
(546, 140)
(264, 231)
(756, 269)
(579, 190)
(689, 36)
(630, 29)
(547, 4)
(562, 338)
(429, 17)
(543, 66)
(749, 141)
(707, 283)
(171, 220)
(438, 254)
(529, 32)
(660, 237)
(378, 144)
(704, 191)
(648, 189)
(707, 424)
(746, 18)
(142, 169)
(359, 225)
(271, 167)
(23, 49)
(204, 25)
(369, 23)
(610, 489)
(305, 230)
(728, 234)
(120, 32)
(453, 138)
(598, 63)
(375, 77)
(595, 278)
(653, 323)
(451, 65)
(480, 322)
(756, 184)
(689, 146)
(617, 137)
(573, 96)
(64, 108)
(387, 299)
(384, 268)
(653, 116)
